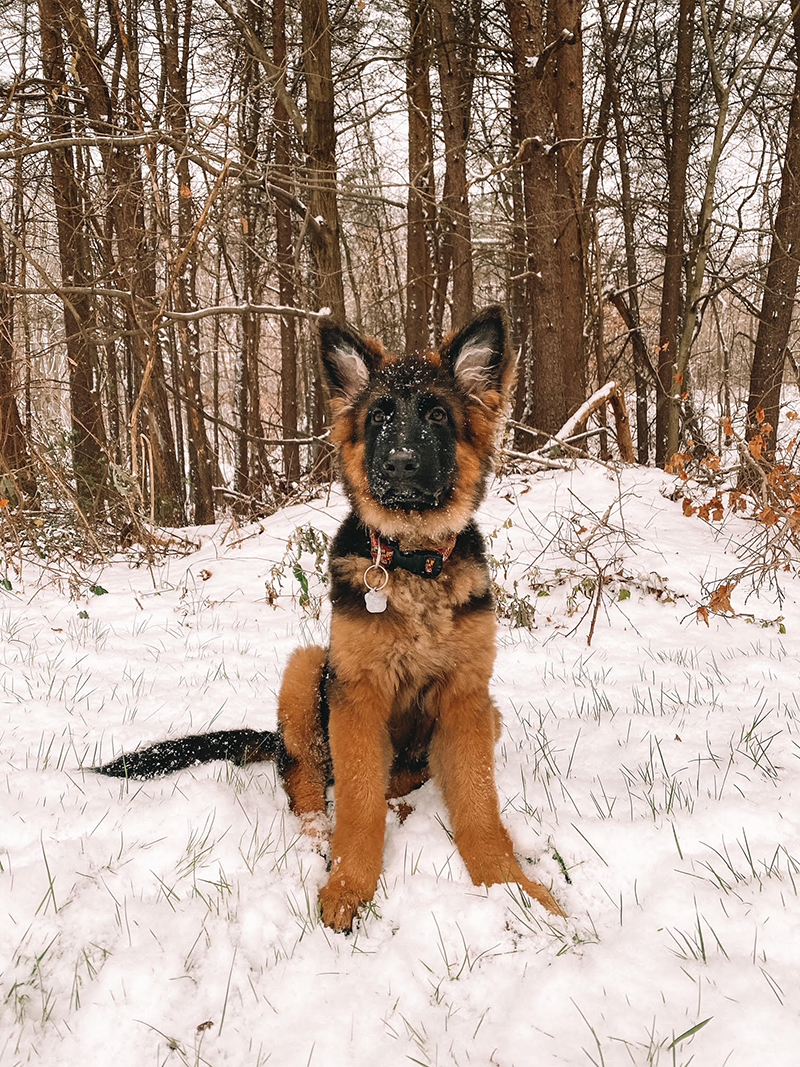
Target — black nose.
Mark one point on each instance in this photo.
(401, 462)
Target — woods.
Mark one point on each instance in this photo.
(186, 185)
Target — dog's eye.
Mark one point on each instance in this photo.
(377, 416)
(437, 414)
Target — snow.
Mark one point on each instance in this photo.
(174, 921)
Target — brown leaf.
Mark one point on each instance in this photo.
(677, 463)
(720, 601)
(716, 508)
(688, 507)
(702, 613)
(767, 516)
(759, 413)
(756, 446)
(727, 427)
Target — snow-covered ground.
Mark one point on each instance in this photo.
(652, 778)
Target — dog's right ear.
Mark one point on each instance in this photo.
(347, 359)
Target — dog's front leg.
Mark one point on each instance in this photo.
(360, 750)
(462, 760)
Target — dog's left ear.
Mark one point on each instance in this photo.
(478, 355)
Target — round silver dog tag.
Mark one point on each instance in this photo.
(375, 601)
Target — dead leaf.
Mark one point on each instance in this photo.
(720, 602)
(702, 613)
(756, 446)
(768, 516)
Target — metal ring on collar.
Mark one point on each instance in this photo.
(376, 567)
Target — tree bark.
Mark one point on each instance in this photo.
(456, 65)
(421, 209)
(282, 177)
(322, 185)
(80, 320)
(672, 290)
(553, 348)
(14, 457)
(176, 54)
(780, 288)
(134, 258)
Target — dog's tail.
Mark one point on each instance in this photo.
(238, 746)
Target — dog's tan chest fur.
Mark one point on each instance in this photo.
(421, 636)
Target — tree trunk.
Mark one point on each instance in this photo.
(135, 255)
(672, 291)
(176, 54)
(14, 456)
(321, 178)
(568, 124)
(780, 289)
(80, 322)
(282, 178)
(553, 345)
(456, 65)
(421, 189)
(627, 308)
(321, 155)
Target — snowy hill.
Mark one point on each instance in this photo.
(650, 777)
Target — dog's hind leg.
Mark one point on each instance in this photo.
(306, 768)
(462, 760)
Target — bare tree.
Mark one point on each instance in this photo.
(780, 287)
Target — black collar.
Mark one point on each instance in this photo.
(427, 563)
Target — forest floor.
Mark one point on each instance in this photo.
(651, 778)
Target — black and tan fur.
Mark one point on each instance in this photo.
(401, 695)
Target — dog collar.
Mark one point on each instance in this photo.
(426, 563)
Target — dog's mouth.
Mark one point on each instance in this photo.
(408, 498)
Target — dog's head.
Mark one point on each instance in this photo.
(416, 434)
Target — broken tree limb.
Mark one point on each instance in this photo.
(611, 394)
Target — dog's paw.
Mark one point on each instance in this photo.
(536, 891)
(317, 827)
(339, 906)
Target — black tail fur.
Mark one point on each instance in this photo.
(238, 746)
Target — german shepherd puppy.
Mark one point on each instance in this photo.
(402, 691)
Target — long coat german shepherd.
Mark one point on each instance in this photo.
(402, 691)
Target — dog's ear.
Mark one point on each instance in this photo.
(348, 360)
(478, 356)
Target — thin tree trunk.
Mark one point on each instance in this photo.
(421, 189)
(321, 177)
(135, 255)
(672, 291)
(456, 74)
(282, 177)
(628, 309)
(176, 53)
(568, 124)
(780, 288)
(89, 462)
(14, 456)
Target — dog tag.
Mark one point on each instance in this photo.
(375, 601)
